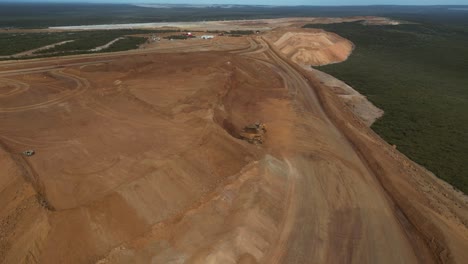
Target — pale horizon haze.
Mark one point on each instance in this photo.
(261, 2)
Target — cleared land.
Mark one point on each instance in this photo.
(138, 160)
(33, 15)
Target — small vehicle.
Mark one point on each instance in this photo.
(29, 152)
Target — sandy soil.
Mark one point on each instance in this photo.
(252, 24)
(105, 46)
(315, 47)
(311, 46)
(138, 161)
(357, 102)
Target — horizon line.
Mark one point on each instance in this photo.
(203, 4)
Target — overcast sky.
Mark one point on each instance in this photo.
(272, 2)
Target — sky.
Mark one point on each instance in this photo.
(271, 2)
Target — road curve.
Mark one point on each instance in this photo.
(341, 212)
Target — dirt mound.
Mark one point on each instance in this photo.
(314, 47)
(357, 102)
(317, 47)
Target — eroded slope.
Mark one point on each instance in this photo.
(314, 47)
(311, 47)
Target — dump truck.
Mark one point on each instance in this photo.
(254, 133)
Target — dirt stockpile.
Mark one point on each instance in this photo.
(317, 47)
(357, 102)
(313, 47)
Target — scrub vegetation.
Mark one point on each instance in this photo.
(88, 40)
(12, 43)
(177, 37)
(416, 73)
(127, 43)
(241, 32)
(83, 42)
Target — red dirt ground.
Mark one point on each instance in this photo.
(138, 161)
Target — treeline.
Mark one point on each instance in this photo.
(13, 43)
(416, 73)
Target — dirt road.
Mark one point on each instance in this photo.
(331, 222)
(369, 221)
(107, 45)
(138, 161)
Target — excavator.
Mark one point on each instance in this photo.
(254, 133)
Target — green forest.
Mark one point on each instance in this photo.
(416, 73)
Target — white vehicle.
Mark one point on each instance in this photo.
(29, 152)
(207, 37)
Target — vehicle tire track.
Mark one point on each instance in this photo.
(315, 104)
(18, 87)
(29, 175)
(82, 85)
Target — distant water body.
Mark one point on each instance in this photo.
(459, 9)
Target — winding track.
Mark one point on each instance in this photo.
(18, 87)
(81, 86)
(328, 229)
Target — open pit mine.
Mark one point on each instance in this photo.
(222, 150)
